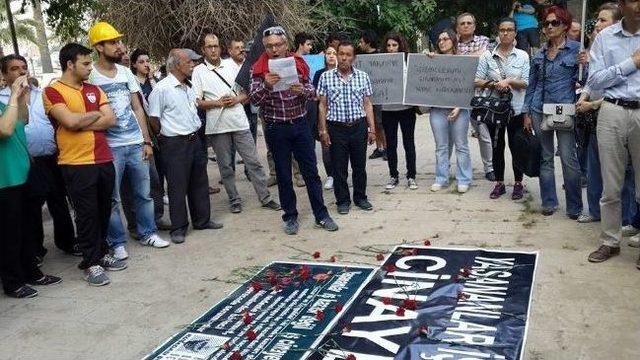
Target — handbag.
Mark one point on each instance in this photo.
(558, 117)
(527, 152)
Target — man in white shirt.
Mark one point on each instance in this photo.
(227, 126)
(172, 108)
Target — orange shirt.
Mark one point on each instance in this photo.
(84, 147)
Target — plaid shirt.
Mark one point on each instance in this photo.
(478, 43)
(280, 106)
(345, 98)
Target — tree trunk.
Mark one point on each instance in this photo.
(41, 34)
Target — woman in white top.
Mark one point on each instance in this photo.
(405, 117)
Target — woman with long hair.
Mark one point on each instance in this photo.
(450, 126)
(505, 69)
(399, 115)
(330, 62)
(552, 80)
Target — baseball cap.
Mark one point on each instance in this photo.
(192, 54)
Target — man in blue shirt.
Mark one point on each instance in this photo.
(615, 60)
(524, 14)
(345, 106)
(42, 147)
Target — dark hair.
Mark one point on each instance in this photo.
(464, 14)
(454, 38)
(506, 19)
(70, 52)
(134, 57)
(4, 61)
(333, 37)
(346, 43)
(614, 8)
(369, 37)
(561, 13)
(393, 35)
(300, 39)
(235, 39)
(203, 36)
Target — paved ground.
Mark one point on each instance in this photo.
(580, 310)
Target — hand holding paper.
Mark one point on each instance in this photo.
(286, 69)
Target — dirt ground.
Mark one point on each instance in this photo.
(579, 310)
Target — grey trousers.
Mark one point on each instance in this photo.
(486, 146)
(618, 134)
(225, 145)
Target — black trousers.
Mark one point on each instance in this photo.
(349, 144)
(17, 252)
(406, 119)
(90, 188)
(157, 192)
(185, 165)
(54, 194)
(498, 147)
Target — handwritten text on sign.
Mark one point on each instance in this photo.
(386, 72)
(443, 81)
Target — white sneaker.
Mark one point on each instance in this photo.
(392, 183)
(165, 199)
(412, 184)
(463, 188)
(155, 241)
(435, 187)
(328, 185)
(629, 230)
(120, 253)
(634, 241)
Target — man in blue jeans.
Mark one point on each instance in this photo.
(129, 139)
(286, 130)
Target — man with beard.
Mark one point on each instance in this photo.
(129, 139)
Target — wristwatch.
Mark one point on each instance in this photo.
(148, 143)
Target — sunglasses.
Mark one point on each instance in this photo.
(554, 23)
(275, 30)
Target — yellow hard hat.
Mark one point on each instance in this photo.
(102, 31)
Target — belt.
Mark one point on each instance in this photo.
(347, 123)
(630, 104)
(188, 137)
(285, 122)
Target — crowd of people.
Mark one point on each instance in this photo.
(112, 138)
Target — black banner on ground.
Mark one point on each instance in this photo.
(281, 313)
(438, 304)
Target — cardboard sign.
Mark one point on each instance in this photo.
(386, 72)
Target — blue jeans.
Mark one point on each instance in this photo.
(445, 133)
(594, 185)
(570, 168)
(129, 159)
(283, 140)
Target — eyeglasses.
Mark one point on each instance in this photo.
(506, 31)
(276, 45)
(274, 30)
(553, 23)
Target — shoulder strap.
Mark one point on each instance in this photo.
(503, 74)
(224, 81)
(544, 72)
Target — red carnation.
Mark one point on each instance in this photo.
(332, 259)
(380, 257)
(387, 301)
(410, 304)
(400, 311)
(251, 335)
(316, 254)
(236, 356)
(390, 268)
(338, 307)
(427, 242)
(320, 315)
(256, 286)
(462, 296)
(466, 271)
(247, 318)
(227, 346)
(351, 357)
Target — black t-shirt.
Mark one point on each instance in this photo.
(146, 88)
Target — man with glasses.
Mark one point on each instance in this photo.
(286, 130)
(129, 139)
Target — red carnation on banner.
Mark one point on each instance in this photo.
(316, 254)
(304, 273)
(338, 307)
(462, 296)
(246, 318)
(332, 259)
(390, 268)
(400, 311)
(427, 242)
(350, 357)
(236, 356)
(423, 330)
(273, 280)
(466, 272)
(251, 335)
(387, 301)
(256, 286)
(320, 315)
(410, 304)
(227, 346)
(380, 257)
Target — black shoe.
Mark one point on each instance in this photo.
(212, 225)
(236, 208)
(46, 280)
(39, 261)
(548, 211)
(343, 209)
(491, 176)
(75, 250)
(327, 224)
(573, 216)
(376, 154)
(384, 155)
(24, 292)
(365, 205)
(272, 205)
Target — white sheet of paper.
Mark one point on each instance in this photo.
(286, 68)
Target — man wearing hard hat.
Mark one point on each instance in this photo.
(129, 139)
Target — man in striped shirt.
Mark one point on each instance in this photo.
(286, 130)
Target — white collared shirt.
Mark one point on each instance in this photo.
(208, 86)
(174, 104)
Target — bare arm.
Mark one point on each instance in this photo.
(106, 120)
(155, 124)
(73, 121)
(9, 118)
(322, 121)
(138, 109)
